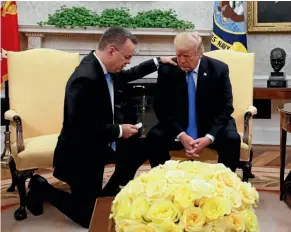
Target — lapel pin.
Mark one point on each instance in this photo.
(204, 74)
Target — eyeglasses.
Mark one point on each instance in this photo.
(125, 57)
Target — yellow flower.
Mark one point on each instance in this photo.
(184, 196)
(196, 170)
(134, 189)
(186, 166)
(196, 167)
(202, 189)
(175, 176)
(169, 226)
(234, 197)
(139, 208)
(251, 221)
(249, 194)
(192, 219)
(171, 165)
(155, 174)
(163, 210)
(215, 227)
(157, 190)
(219, 166)
(123, 224)
(121, 209)
(140, 228)
(228, 177)
(235, 222)
(200, 202)
(216, 207)
(218, 186)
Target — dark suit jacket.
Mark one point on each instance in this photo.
(88, 118)
(213, 98)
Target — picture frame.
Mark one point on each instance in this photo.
(269, 16)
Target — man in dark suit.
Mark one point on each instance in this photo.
(93, 133)
(193, 104)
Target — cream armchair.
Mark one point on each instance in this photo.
(241, 72)
(37, 80)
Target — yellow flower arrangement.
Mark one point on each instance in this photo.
(186, 197)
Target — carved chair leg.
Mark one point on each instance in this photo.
(21, 177)
(251, 175)
(12, 168)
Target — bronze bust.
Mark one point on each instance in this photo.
(277, 79)
(277, 58)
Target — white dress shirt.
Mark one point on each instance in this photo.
(196, 70)
(111, 88)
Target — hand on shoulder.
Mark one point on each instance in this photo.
(169, 60)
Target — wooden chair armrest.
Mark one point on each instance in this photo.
(251, 111)
(15, 117)
(10, 114)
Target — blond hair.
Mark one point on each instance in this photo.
(189, 40)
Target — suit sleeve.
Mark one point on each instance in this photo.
(163, 100)
(138, 71)
(221, 119)
(82, 115)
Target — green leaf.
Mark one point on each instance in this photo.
(82, 17)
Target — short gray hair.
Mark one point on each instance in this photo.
(188, 40)
(116, 36)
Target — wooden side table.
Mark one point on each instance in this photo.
(100, 221)
(272, 93)
(285, 126)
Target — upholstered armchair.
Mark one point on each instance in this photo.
(241, 72)
(37, 80)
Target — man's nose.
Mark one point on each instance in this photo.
(181, 60)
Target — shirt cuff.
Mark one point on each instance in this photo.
(178, 137)
(120, 131)
(156, 62)
(210, 136)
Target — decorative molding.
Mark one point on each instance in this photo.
(71, 35)
(34, 34)
(53, 31)
(34, 41)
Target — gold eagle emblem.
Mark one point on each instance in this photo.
(8, 8)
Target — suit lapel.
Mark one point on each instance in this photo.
(182, 90)
(202, 78)
(102, 81)
(182, 83)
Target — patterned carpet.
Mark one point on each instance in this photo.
(267, 179)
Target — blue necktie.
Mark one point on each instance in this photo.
(108, 80)
(192, 121)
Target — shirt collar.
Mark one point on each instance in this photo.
(102, 65)
(197, 67)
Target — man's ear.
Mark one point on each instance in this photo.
(110, 50)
